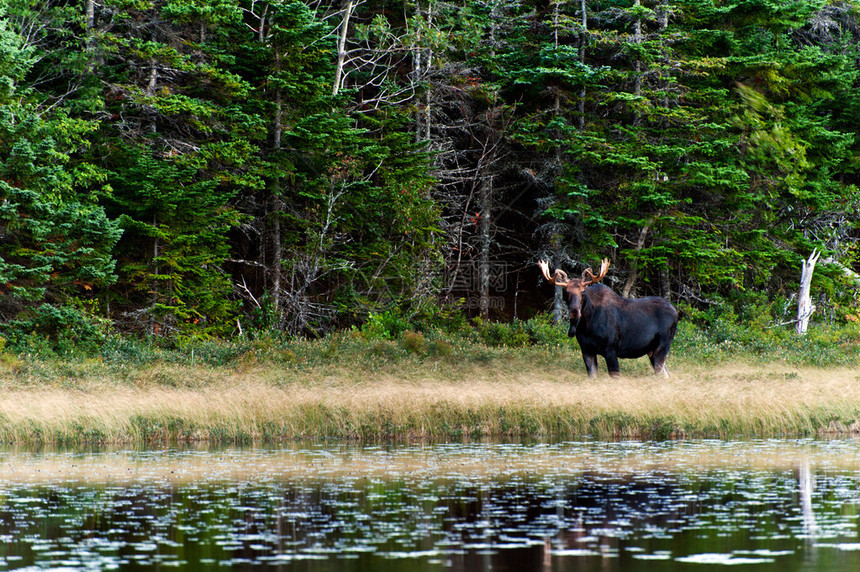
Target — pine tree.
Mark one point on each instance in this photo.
(55, 242)
(182, 151)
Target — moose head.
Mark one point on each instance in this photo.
(575, 288)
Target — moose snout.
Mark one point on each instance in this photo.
(574, 321)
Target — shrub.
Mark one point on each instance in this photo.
(448, 318)
(64, 330)
(502, 334)
(538, 330)
(413, 342)
(730, 338)
(384, 326)
(130, 350)
(440, 348)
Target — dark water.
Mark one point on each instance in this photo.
(702, 505)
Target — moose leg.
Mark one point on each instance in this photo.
(658, 360)
(612, 364)
(590, 363)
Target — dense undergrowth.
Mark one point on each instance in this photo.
(386, 339)
(386, 343)
(390, 379)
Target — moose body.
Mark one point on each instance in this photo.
(605, 324)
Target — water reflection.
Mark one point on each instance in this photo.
(760, 505)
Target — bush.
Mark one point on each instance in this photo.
(387, 325)
(63, 330)
(538, 330)
(728, 338)
(413, 342)
(440, 348)
(447, 318)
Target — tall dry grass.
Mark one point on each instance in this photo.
(515, 395)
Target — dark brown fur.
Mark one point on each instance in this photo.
(608, 325)
(605, 324)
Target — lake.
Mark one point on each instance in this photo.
(584, 505)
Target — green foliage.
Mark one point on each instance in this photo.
(54, 245)
(179, 161)
(16, 57)
(393, 325)
(536, 331)
(705, 167)
(65, 331)
(435, 316)
(386, 325)
(175, 237)
(726, 339)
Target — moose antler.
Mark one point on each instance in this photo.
(588, 276)
(559, 277)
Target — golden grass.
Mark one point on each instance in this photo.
(437, 400)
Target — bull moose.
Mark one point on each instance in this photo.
(608, 325)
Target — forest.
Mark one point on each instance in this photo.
(193, 169)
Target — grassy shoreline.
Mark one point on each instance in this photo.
(351, 387)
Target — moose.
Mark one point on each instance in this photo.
(608, 325)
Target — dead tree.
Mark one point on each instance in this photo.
(805, 308)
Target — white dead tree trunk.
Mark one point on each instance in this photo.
(804, 303)
(341, 46)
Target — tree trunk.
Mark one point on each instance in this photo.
(665, 284)
(90, 15)
(341, 46)
(805, 308)
(417, 71)
(422, 59)
(275, 205)
(557, 103)
(559, 310)
(91, 23)
(277, 247)
(637, 38)
(630, 285)
(149, 112)
(261, 29)
(428, 61)
(279, 112)
(153, 324)
(484, 237)
(583, 40)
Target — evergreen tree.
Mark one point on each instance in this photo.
(182, 151)
(198, 167)
(55, 242)
(343, 220)
(709, 132)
